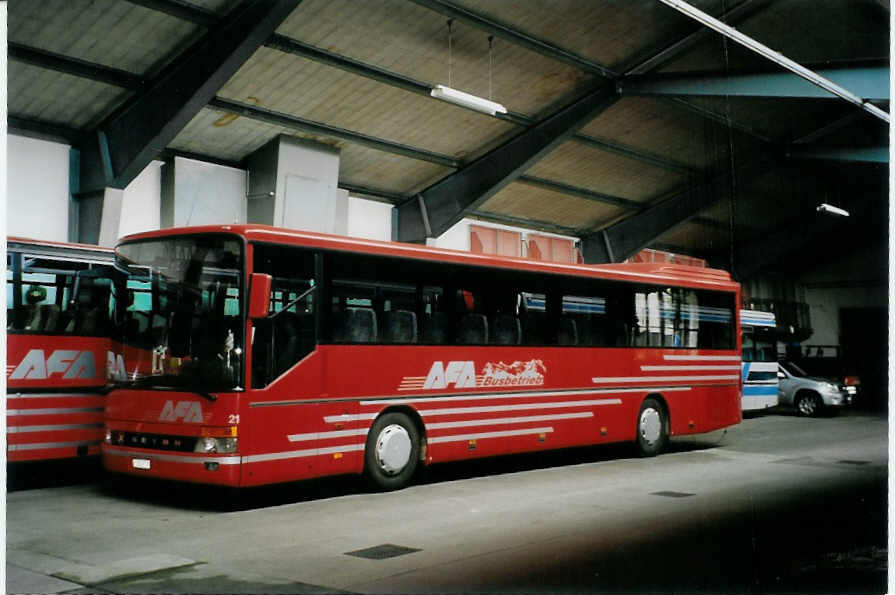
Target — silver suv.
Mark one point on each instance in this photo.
(810, 395)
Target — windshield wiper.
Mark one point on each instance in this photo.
(146, 382)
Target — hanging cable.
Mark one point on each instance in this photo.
(731, 157)
(450, 24)
(490, 63)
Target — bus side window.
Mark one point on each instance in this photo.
(433, 318)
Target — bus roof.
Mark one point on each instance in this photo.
(57, 248)
(653, 273)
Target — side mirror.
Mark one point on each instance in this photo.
(259, 295)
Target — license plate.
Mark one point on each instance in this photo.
(141, 463)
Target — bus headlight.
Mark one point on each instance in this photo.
(207, 444)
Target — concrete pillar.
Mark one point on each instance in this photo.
(293, 183)
(199, 193)
(110, 217)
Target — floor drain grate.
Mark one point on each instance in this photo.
(381, 552)
(848, 462)
(672, 494)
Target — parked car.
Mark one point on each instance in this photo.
(810, 395)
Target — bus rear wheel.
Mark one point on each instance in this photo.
(392, 451)
(652, 428)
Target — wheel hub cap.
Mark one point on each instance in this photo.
(650, 426)
(393, 449)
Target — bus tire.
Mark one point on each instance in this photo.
(652, 428)
(392, 451)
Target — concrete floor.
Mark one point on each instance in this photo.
(784, 505)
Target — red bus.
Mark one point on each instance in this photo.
(57, 345)
(277, 355)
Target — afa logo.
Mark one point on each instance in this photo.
(187, 411)
(460, 374)
(71, 364)
(115, 369)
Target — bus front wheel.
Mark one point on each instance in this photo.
(392, 451)
(652, 428)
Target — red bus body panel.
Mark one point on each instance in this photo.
(54, 401)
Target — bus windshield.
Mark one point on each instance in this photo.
(181, 312)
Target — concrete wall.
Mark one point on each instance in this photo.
(200, 193)
(140, 206)
(857, 280)
(37, 189)
(369, 219)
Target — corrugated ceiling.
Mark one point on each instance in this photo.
(640, 149)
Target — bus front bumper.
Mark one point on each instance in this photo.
(221, 469)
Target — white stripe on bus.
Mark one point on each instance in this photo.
(503, 434)
(461, 410)
(42, 445)
(507, 420)
(16, 396)
(325, 435)
(713, 358)
(518, 395)
(52, 411)
(663, 378)
(297, 454)
(682, 368)
(19, 429)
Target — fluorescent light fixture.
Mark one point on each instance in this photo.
(825, 208)
(776, 57)
(466, 100)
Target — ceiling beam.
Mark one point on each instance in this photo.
(170, 154)
(625, 238)
(182, 10)
(776, 57)
(585, 193)
(508, 33)
(525, 223)
(871, 83)
(289, 121)
(40, 129)
(735, 15)
(73, 66)
(720, 118)
(129, 139)
(632, 153)
(296, 47)
(860, 154)
(447, 201)
(828, 129)
(376, 194)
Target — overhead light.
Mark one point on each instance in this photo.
(825, 208)
(466, 100)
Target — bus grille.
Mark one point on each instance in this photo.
(154, 441)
